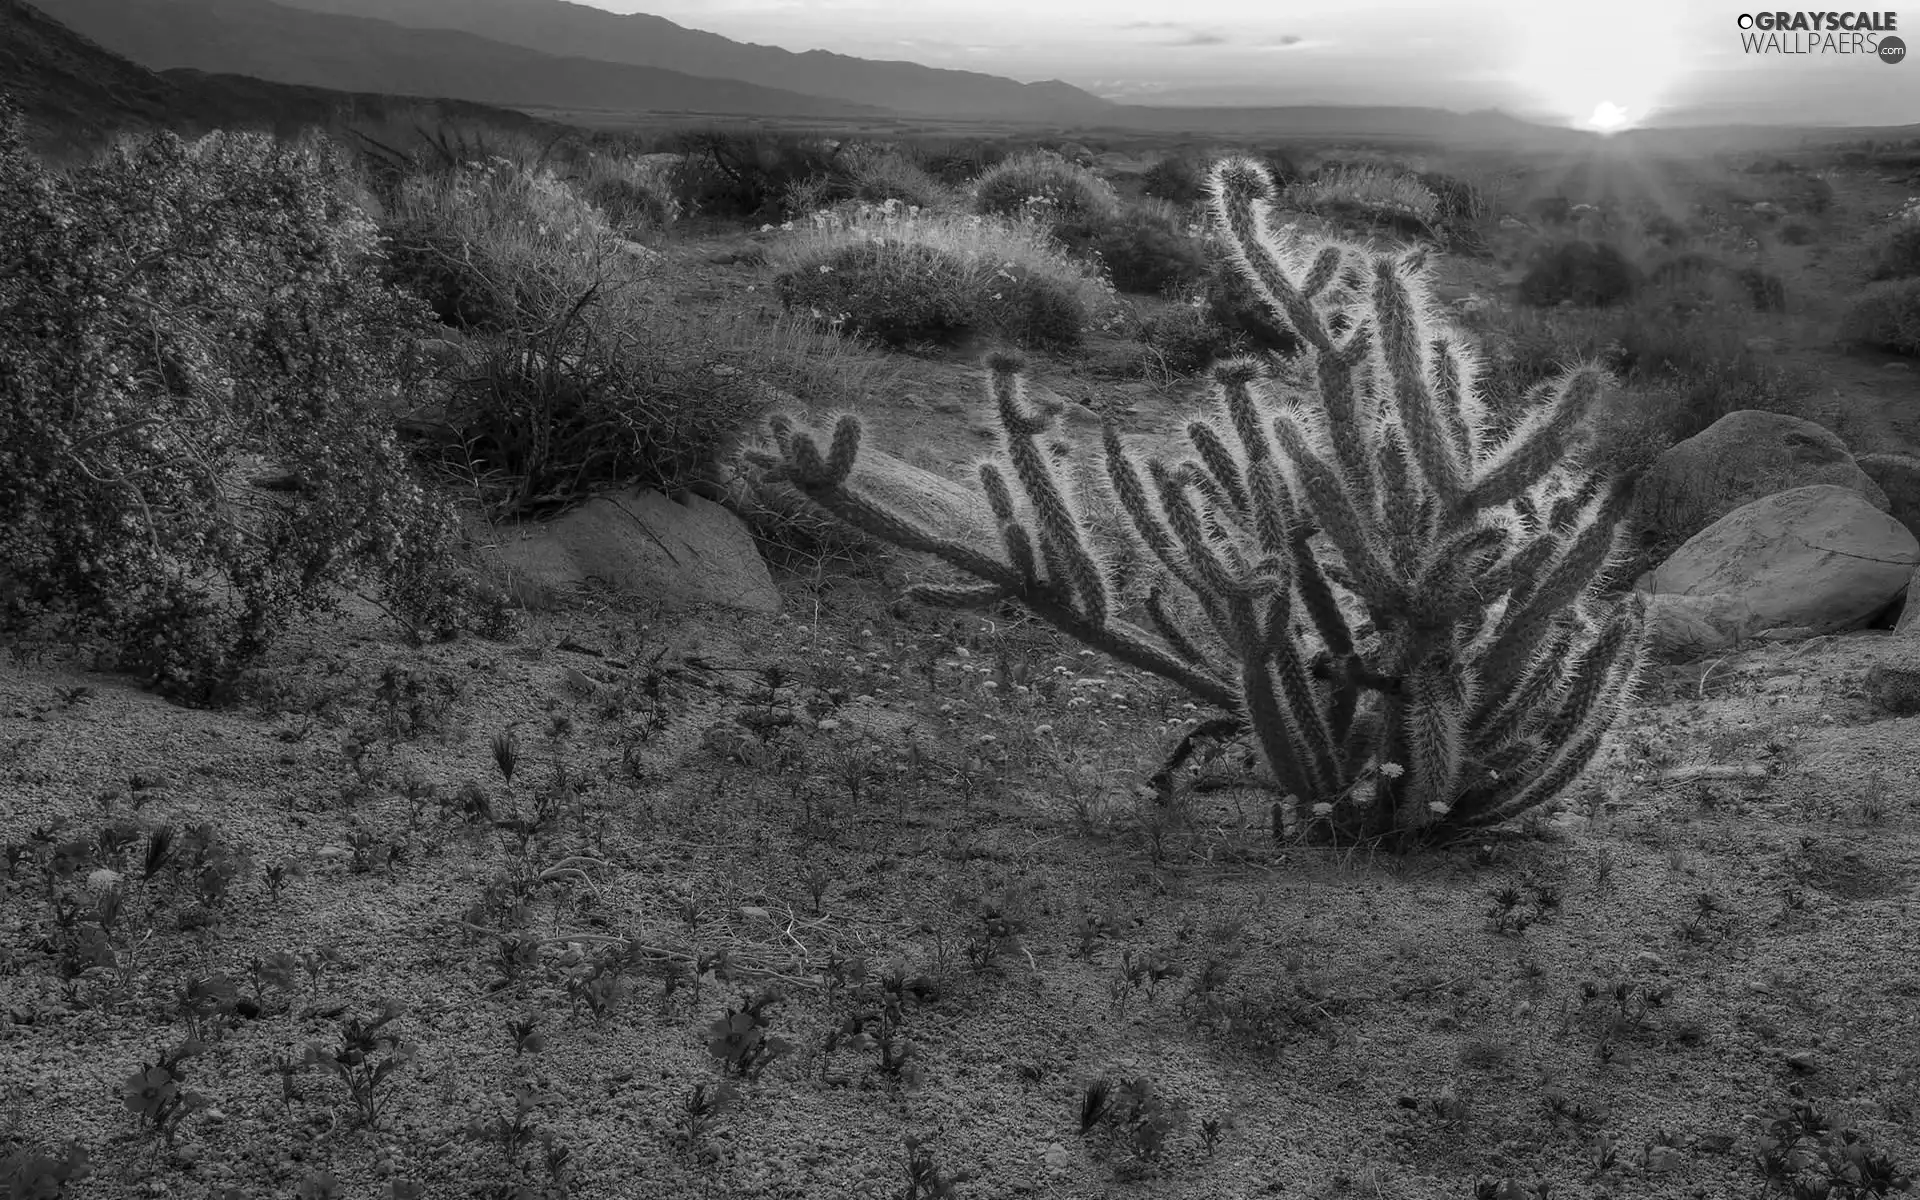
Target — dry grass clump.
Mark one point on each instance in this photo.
(900, 274)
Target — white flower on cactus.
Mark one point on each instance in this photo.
(1323, 809)
(1392, 770)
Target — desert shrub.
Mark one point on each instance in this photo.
(498, 244)
(1493, 662)
(1184, 339)
(630, 206)
(1899, 256)
(1553, 210)
(893, 289)
(1764, 289)
(542, 421)
(1034, 308)
(747, 173)
(169, 311)
(463, 287)
(388, 157)
(1807, 193)
(1796, 233)
(1685, 365)
(1886, 317)
(1174, 179)
(1370, 196)
(1060, 189)
(1582, 272)
(1685, 269)
(1145, 250)
(898, 274)
(1283, 167)
(881, 175)
(959, 162)
(1455, 198)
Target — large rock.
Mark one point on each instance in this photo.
(1687, 627)
(1738, 459)
(646, 545)
(1821, 559)
(1898, 475)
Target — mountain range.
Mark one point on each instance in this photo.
(71, 90)
(543, 54)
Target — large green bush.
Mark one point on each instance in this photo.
(171, 314)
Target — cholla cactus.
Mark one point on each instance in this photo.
(1404, 609)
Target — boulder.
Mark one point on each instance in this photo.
(1898, 475)
(1822, 558)
(642, 543)
(1687, 627)
(1740, 458)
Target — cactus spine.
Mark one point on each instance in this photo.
(1489, 664)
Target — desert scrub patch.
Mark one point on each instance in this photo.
(1899, 253)
(1886, 317)
(1185, 338)
(454, 276)
(1040, 179)
(1174, 179)
(630, 206)
(1368, 196)
(1584, 273)
(1765, 290)
(1146, 249)
(879, 174)
(493, 245)
(901, 274)
(1476, 732)
(179, 308)
(746, 172)
(893, 289)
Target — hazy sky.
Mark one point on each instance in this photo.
(1540, 56)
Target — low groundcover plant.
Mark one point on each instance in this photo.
(1404, 607)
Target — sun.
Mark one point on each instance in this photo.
(1602, 72)
(1609, 117)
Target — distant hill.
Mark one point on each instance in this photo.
(74, 91)
(61, 80)
(295, 46)
(561, 28)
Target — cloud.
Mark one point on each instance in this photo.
(1177, 33)
(1282, 40)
